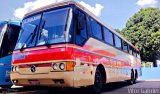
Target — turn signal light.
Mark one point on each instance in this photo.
(69, 66)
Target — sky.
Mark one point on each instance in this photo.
(113, 12)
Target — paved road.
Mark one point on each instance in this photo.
(142, 87)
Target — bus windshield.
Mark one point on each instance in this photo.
(8, 38)
(27, 33)
(1, 26)
(38, 30)
(2, 31)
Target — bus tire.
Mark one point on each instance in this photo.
(135, 77)
(132, 79)
(6, 86)
(98, 82)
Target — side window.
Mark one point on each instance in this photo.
(96, 29)
(138, 55)
(130, 50)
(125, 46)
(81, 30)
(108, 36)
(134, 52)
(118, 42)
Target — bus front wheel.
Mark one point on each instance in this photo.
(98, 82)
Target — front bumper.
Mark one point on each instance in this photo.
(57, 79)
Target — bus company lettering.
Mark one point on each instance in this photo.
(20, 56)
(32, 19)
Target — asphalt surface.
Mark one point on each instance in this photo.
(141, 87)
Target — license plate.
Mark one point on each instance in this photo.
(34, 82)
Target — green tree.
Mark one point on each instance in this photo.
(143, 30)
(117, 30)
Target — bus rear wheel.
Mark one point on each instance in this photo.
(136, 76)
(132, 80)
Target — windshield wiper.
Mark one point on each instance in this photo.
(31, 35)
(45, 39)
(21, 49)
(41, 30)
(34, 34)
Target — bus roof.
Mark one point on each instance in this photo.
(14, 22)
(11, 22)
(59, 4)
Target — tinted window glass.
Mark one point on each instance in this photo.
(138, 54)
(81, 30)
(108, 36)
(53, 26)
(125, 46)
(117, 42)
(9, 40)
(134, 52)
(96, 29)
(13, 33)
(28, 32)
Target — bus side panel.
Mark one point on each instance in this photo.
(117, 63)
(83, 70)
(5, 68)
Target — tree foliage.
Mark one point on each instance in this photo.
(143, 30)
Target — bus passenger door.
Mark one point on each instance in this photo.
(83, 70)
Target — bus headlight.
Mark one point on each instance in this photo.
(62, 66)
(13, 70)
(16, 68)
(55, 66)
